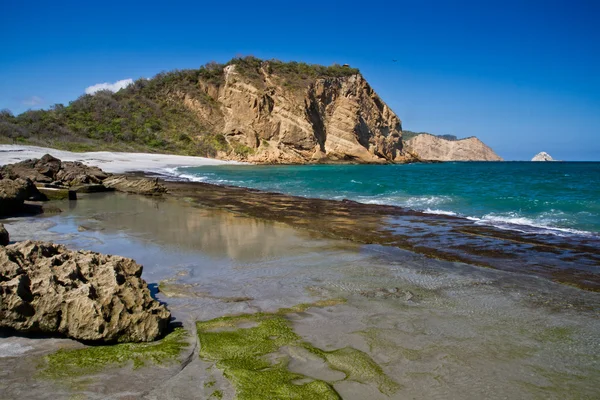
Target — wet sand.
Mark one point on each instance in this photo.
(435, 326)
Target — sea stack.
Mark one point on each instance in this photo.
(543, 156)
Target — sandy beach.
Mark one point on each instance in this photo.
(112, 162)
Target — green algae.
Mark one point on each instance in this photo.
(210, 383)
(359, 367)
(557, 334)
(79, 362)
(217, 394)
(242, 353)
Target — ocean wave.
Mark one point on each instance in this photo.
(175, 173)
(516, 222)
(439, 212)
(427, 201)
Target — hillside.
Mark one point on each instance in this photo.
(247, 109)
(449, 148)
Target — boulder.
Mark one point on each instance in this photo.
(40, 170)
(4, 238)
(77, 174)
(46, 288)
(148, 187)
(13, 193)
(50, 170)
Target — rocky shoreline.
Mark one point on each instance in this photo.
(451, 238)
(326, 301)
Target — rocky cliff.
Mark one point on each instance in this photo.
(247, 109)
(430, 147)
(330, 118)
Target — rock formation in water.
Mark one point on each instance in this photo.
(51, 170)
(45, 288)
(543, 156)
(56, 180)
(435, 148)
(136, 185)
(14, 193)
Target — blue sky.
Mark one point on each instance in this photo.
(524, 76)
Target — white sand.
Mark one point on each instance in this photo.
(112, 162)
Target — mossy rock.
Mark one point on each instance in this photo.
(58, 193)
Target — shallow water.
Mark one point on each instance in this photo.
(438, 329)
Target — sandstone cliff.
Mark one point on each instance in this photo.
(434, 148)
(266, 119)
(247, 110)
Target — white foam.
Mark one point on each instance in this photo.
(513, 221)
(439, 212)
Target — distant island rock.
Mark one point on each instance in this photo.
(428, 147)
(543, 156)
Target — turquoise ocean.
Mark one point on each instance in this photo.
(560, 198)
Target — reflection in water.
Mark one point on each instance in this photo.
(165, 222)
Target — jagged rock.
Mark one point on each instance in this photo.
(434, 148)
(50, 170)
(14, 192)
(543, 156)
(148, 187)
(4, 237)
(76, 174)
(45, 288)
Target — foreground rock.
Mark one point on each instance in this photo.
(4, 238)
(14, 192)
(434, 148)
(144, 186)
(542, 156)
(45, 288)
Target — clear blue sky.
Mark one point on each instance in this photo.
(524, 76)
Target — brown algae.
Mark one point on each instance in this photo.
(242, 354)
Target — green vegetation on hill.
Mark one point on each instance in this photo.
(150, 115)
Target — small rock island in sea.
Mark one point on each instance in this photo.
(542, 156)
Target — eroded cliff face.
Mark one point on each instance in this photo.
(430, 147)
(267, 119)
